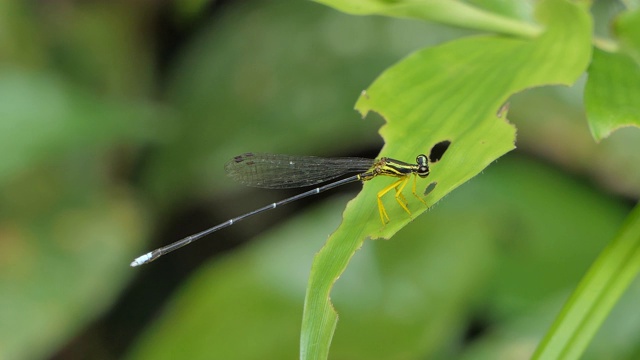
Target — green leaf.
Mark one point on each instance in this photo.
(613, 88)
(599, 291)
(450, 92)
(448, 12)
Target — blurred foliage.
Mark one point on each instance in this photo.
(116, 116)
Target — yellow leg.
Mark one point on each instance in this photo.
(399, 197)
(398, 186)
(383, 213)
(415, 182)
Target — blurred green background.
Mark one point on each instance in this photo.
(116, 119)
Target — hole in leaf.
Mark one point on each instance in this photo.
(438, 150)
(430, 188)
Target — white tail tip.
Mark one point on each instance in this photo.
(141, 260)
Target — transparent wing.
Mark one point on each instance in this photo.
(277, 171)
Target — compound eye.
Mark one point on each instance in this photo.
(422, 160)
(423, 165)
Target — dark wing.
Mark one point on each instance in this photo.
(277, 171)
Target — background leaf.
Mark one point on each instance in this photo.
(614, 82)
(456, 13)
(601, 288)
